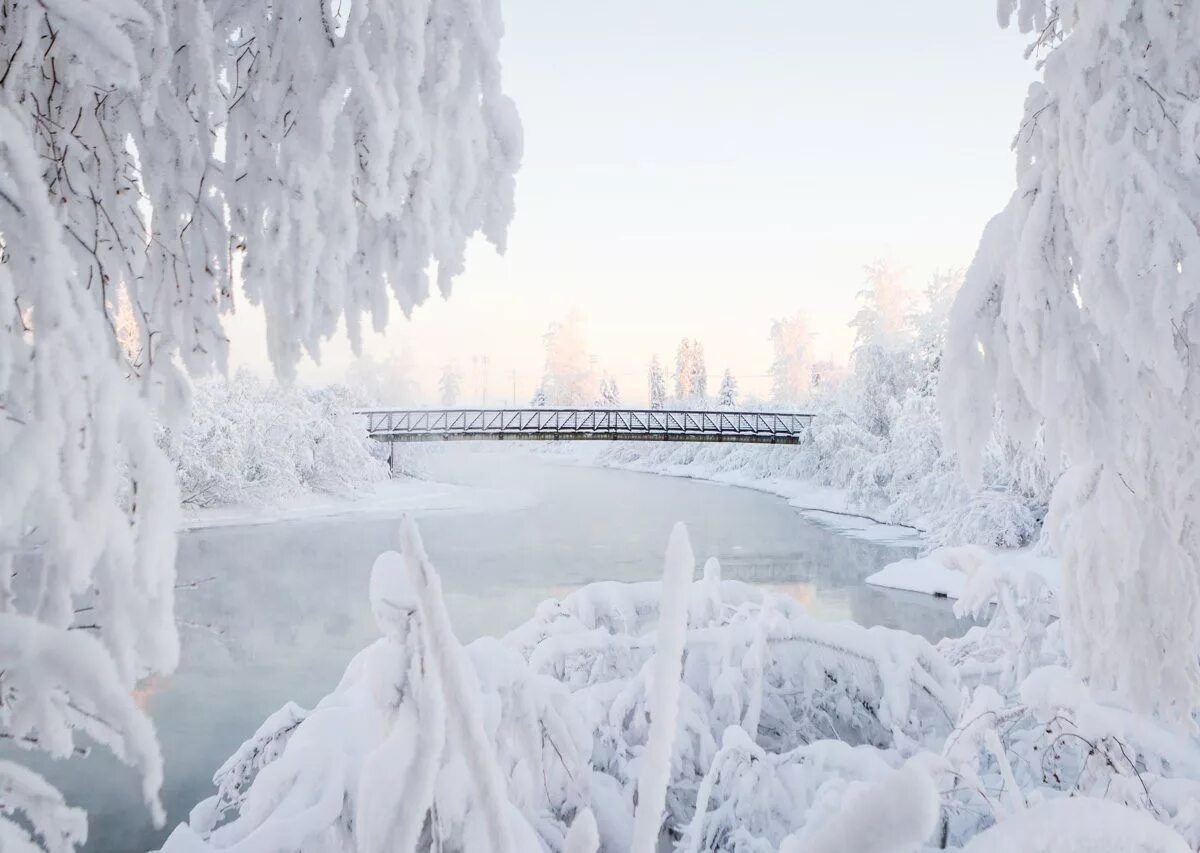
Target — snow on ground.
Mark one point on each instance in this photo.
(946, 571)
(387, 498)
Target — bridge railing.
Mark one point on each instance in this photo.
(651, 424)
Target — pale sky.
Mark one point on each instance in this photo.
(695, 167)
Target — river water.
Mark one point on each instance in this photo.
(274, 612)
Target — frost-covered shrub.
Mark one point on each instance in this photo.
(822, 797)
(253, 442)
(1033, 732)
(752, 798)
(993, 518)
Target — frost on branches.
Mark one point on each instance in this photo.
(1079, 314)
(148, 151)
(255, 443)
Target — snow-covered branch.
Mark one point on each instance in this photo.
(1077, 320)
(152, 154)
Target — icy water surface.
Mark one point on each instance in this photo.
(274, 612)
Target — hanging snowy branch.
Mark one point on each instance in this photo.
(152, 152)
(1079, 314)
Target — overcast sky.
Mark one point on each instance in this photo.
(695, 167)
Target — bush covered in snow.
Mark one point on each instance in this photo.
(253, 442)
(720, 716)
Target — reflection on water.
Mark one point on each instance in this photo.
(286, 606)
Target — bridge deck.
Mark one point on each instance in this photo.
(585, 424)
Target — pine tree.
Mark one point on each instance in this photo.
(658, 385)
(691, 374)
(699, 375)
(684, 373)
(727, 396)
(539, 399)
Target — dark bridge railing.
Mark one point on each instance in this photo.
(585, 424)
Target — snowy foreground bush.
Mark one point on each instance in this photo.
(253, 442)
(711, 714)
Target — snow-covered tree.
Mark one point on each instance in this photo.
(657, 385)
(881, 362)
(538, 401)
(929, 325)
(683, 370)
(1077, 320)
(699, 371)
(883, 318)
(691, 374)
(824, 374)
(382, 382)
(569, 378)
(449, 384)
(727, 396)
(610, 394)
(791, 369)
(165, 149)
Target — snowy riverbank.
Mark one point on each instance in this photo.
(943, 573)
(826, 505)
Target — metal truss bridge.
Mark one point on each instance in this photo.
(394, 425)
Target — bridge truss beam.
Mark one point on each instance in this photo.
(394, 425)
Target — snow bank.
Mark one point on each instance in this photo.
(1080, 825)
(946, 572)
(921, 574)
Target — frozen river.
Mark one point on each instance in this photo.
(276, 611)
